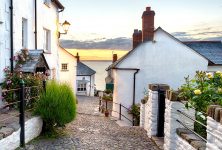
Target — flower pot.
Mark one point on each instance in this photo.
(106, 113)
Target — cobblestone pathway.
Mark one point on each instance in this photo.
(92, 131)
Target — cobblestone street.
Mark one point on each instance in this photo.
(92, 131)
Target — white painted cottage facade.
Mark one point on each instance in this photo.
(67, 68)
(85, 79)
(157, 57)
(25, 27)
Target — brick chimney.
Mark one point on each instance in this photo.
(77, 57)
(137, 38)
(115, 57)
(148, 24)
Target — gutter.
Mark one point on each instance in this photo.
(11, 36)
(134, 80)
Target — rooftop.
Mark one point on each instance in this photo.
(84, 70)
(212, 50)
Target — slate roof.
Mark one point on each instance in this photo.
(212, 50)
(84, 70)
(37, 60)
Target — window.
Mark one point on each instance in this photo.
(81, 87)
(24, 32)
(47, 2)
(64, 67)
(47, 40)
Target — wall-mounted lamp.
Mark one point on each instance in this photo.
(65, 26)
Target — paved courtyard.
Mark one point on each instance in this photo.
(92, 131)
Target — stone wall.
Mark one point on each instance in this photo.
(33, 128)
(171, 124)
(149, 110)
(214, 128)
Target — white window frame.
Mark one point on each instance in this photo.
(24, 33)
(46, 40)
(64, 67)
(81, 87)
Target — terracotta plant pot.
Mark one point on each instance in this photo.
(106, 113)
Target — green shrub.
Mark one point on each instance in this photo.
(57, 106)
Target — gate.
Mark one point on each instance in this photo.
(161, 112)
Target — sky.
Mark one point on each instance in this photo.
(98, 20)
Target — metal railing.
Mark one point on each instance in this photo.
(24, 96)
(119, 112)
(191, 130)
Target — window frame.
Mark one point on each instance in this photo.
(47, 40)
(81, 87)
(64, 68)
(24, 33)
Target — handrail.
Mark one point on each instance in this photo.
(192, 118)
(192, 130)
(123, 116)
(132, 121)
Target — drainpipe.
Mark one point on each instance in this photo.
(11, 35)
(35, 32)
(90, 86)
(134, 85)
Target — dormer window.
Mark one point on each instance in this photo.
(47, 2)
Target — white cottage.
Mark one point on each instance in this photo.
(33, 25)
(85, 79)
(67, 68)
(157, 57)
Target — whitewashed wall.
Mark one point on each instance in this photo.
(47, 18)
(214, 134)
(166, 61)
(68, 76)
(33, 128)
(171, 138)
(101, 73)
(151, 111)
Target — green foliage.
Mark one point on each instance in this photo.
(12, 81)
(205, 89)
(108, 91)
(108, 97)
(135, 111)
(57, 106)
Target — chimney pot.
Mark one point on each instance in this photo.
(77, 57)
(115, 57)
(148, 8)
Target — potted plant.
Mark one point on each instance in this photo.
(106, 113)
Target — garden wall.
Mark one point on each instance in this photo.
(149, 109)
(175, 134)
(214, 128)
(33, 128)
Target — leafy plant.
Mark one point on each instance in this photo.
(57, 106)
(135, 111)
(205, 89)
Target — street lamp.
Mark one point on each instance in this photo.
(65, 26)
